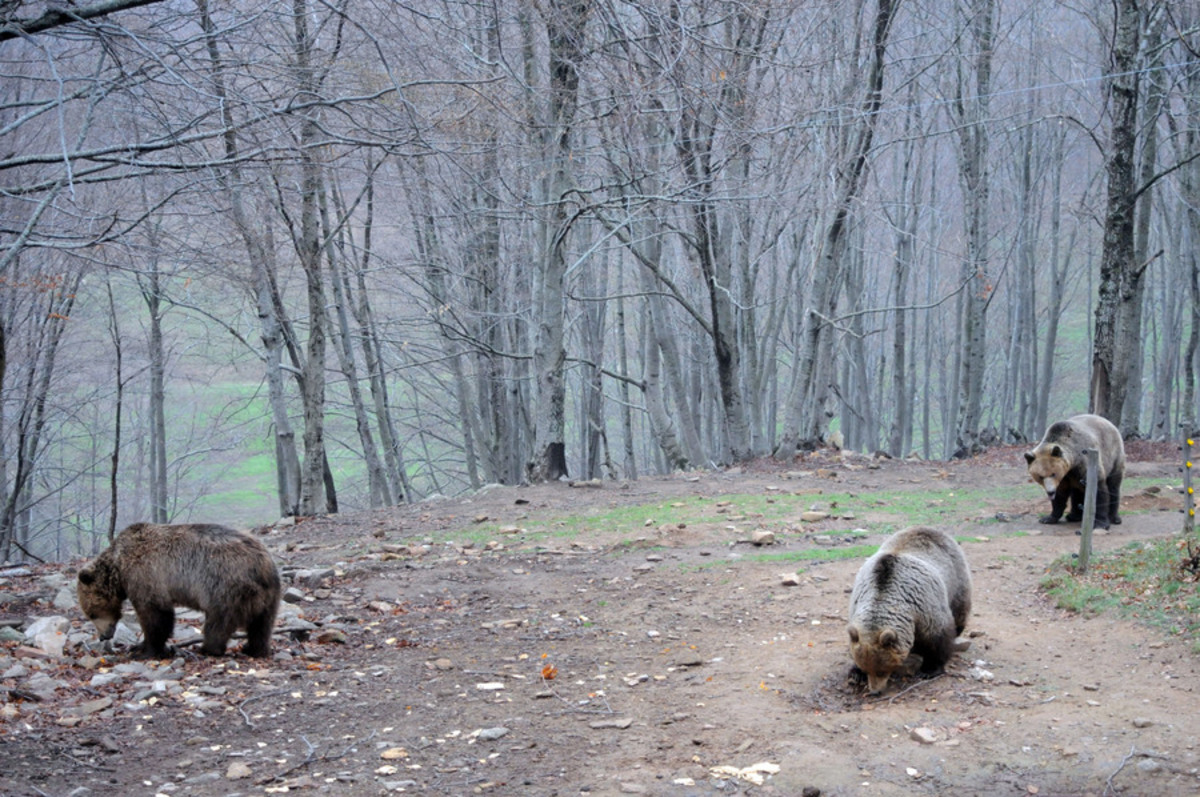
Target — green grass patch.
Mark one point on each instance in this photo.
(1144, 581)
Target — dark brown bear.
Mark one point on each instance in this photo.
(1059, 466)
(221, 572)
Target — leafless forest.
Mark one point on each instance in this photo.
(391, 249)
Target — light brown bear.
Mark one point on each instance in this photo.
(225, 574)
(912, 597)
(1059, 466)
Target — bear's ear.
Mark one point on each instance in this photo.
(1056, 452)
(887, 638)
(1029, 457)
(853, 634)
(87, 576)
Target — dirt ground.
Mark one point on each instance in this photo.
(461, 646)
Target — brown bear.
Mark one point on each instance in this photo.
(1059, 466)
(912, 597)
(225, 574)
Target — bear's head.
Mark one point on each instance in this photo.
(878, 653)
(1048, 466)
(101, 596)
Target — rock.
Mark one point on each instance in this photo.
(492, 734)
(923, 735)
(66, 598)
(980, 674)
(238, 770)
(762, 537)
(1142, 722)
(312, 576)
(88, 708)
(8, 634)
(48, 634)
(813, 515)
(15, 671)
(619, 724)
(790, 579)
(330, 636)
(293, 595)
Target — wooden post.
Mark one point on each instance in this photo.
(1189, 500)
(1089, 508)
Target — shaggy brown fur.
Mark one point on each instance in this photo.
(225, 574)
(1059, 466)
(912, 597)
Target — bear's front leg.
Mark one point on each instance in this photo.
(157, 624)
(217, 631)
(1076, 513)
(1058, 503)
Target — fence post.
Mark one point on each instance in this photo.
(1089, 508)
(1189, 500)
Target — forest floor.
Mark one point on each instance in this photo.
(501, 645)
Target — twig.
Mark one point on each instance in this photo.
(910, 688)
(491, 673)
(1108, 784)
(272, 693)
(65, 754)
(574, 708)
(309, 758)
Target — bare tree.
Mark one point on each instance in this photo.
(806, 401)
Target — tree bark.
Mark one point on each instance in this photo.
(810, 387)
(974, 172)
(564, 23)
(1118, 270)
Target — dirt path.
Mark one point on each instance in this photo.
(606, 664)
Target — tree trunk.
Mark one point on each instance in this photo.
(974, 172)
(564, 22)
(1118, 269)
(809, 391)
(308, 249)
(260, 252)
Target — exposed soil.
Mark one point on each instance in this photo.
(630, 661)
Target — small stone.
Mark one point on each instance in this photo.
(1142, 722)
(790, 579)
(762, 537)
(293, 595)
(492, 734)
(237, 771)
(331, 636)
(619, 724)
(923, 735)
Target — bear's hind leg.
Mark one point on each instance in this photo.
(258, 635)
(1102, 506)
(1114, 501)
(157, 624)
